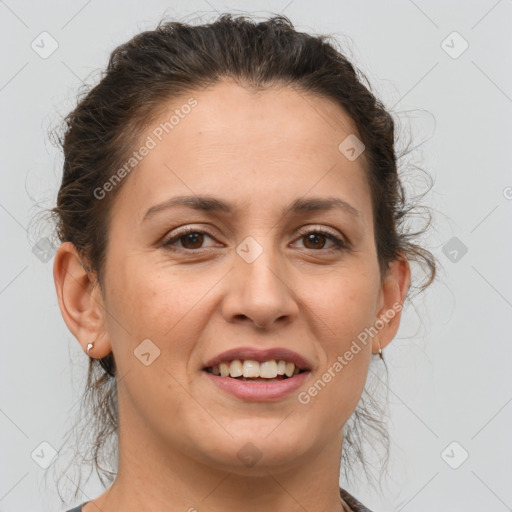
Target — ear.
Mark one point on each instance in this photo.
(80, 301)
(392, 296)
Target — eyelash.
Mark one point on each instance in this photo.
(339, 245)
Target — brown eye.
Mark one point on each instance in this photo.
(195, 240)
(316, 239)
(190, 240)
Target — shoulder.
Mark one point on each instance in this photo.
(355, 505)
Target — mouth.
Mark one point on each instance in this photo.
(254, 371)
(258, 375)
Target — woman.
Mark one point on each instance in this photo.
(231, 262)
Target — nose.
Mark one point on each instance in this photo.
(259, 292)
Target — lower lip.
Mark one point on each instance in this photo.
(258, 391)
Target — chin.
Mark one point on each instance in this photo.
(256, 450)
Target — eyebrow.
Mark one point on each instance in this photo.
(212, 204)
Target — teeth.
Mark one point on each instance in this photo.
(254, 369)
(251, 369)
(223, 368)
(268, 370)
(281, 367)
(235, 369)
(289, 369)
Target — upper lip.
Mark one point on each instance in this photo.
(254, 354)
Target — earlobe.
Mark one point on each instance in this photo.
(393, 293)
(80, 300)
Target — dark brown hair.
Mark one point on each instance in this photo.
(156, 66)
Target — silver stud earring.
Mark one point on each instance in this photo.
(89, 346)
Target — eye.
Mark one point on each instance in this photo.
(317, 238)
(190, 238)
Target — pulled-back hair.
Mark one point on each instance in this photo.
(174, 59)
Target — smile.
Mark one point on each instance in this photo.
(246, 380)
(254, 371)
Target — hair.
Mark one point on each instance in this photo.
(174, 59)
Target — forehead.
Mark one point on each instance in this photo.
(247, 145)
(229, 114)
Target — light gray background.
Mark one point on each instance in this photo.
(450, 366)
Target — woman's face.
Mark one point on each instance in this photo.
(254, 274)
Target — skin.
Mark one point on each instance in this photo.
(179, 434)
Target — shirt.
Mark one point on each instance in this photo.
(354, 505)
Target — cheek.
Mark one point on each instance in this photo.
(342, 303)
(156, 301)
(152, 296)
(346, 346)
(343, 306)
